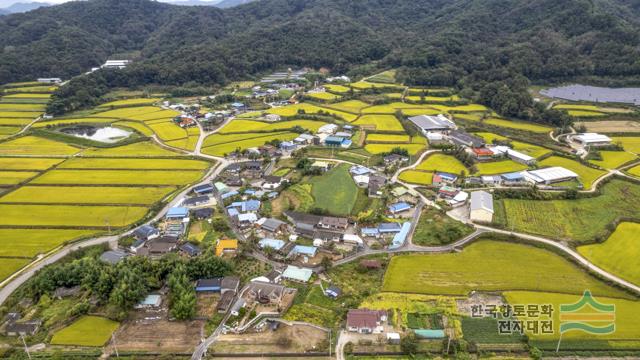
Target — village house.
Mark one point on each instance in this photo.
(196, 201)
(376, 183)
(226, 246)
(146, 232)
(333, 291)
(190, 249)
(393, 159)
(209, 285)
(398, 208)
(297, 274)
(482, 154)
(113, 256)
(365, 321)
(334, 223)
(265, 293)
(441, 178)
(203, 189)
(273, 226)
(151, 301)
(272, 182)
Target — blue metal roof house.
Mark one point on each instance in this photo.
(399, 207)
(333, 141)
(288, 145)
(229, 194)
(400, 238)
(233, 212)
(447, 176)
(251, 205)
(515, 176)
(237, 105)
(272, 243)
(177, 213)
(203, 189)
(304, 250)
(373, 232)
(209, 285)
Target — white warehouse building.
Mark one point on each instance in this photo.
(549, 175)
(592, 139)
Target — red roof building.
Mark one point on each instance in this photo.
(366, 321)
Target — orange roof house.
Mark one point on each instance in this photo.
(226, 246)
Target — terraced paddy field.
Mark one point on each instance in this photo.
(15, 121)
(518, 125)
(31, 242)
(363, 85)
(305, 108)
(587, 175)
(613, 159)
(67, 215)
(434, 99)
(33, 145)
(379, 122)
(141, 128)
(15, 177)
(130, 102)
(499, 167)
(351, 106)
(387, 138)
(86, 331)
(627, 328)
(87, 195)
(23, 107)
(323, 96)
(337, 88)
(118, 177)
(72, 121)
(26, 96)
(17, 163)
(135, 112)
(245, 126)
(20, 114)
(134, 164)
(575, 220)
(522, 267)
(442, 162)
(145, 149)
(385, 148)
(219, 145)
(526, 148)
(629, 143)
(416, 177)
(619, 254)
(335, 191)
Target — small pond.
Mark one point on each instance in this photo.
(107, 134)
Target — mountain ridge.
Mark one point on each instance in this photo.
(436, 41)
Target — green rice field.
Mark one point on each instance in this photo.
(629, 143)
(335, 191)
(618, 255)
(613, 159)
(86, 331)
(626, 325)
(522, 267)
(577, 220)
(11, 265)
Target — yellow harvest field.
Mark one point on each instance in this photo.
(387, 138)
(416, 177)
(244, 126)
(33, 145)
(20, 163)
(118, 177)
(68, 215)
(384, 148)
(30, 242)
(139, 149)
(293, 110)
(134, 164)
(15, 177)
(379, 122)
(442, 162)
(87, 195)
(130, 102)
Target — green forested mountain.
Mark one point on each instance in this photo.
(468, 43)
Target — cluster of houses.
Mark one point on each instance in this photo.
(13, 325)
(367, 178)
(327, 135)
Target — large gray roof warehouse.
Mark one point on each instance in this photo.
(428, 123)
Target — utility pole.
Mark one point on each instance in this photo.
(26, 349)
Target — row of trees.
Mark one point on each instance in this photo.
(123, 285)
